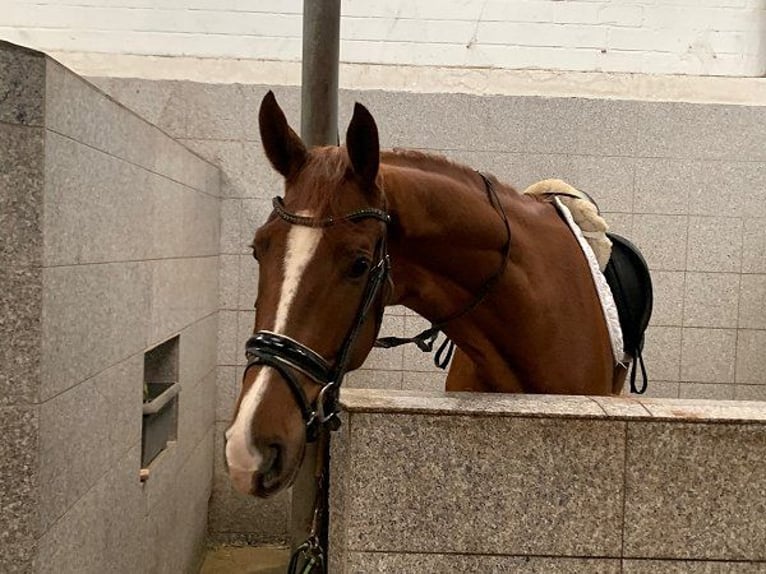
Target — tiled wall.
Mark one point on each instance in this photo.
(111, 248)
(686, 182)
(547, 484)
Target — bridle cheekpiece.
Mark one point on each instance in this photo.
(286, 355)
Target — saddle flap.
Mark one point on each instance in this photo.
(630, 281)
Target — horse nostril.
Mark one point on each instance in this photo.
(271, 467)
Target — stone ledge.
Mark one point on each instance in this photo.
(614, 408)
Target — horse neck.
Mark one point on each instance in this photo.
(447, 238)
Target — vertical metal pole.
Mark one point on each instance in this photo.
(319, 126)
(319, 91)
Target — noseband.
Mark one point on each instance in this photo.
(286, 355)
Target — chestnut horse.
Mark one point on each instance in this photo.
(359, 229)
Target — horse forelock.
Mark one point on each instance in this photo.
(318, 187)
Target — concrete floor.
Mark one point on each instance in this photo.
(246, 560)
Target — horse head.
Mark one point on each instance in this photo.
(323, 268)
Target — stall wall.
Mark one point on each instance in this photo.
(110, 241)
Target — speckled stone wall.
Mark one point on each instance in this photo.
(109, 246)
(684, 181)
(424, 483)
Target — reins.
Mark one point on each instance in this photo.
(426, 339)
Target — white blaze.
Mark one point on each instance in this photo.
(242, 457)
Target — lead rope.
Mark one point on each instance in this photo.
(309, 557)
(426, 339)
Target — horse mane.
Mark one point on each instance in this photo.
(328, 167)
(427, 161)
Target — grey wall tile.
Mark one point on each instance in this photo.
(81, 181)
(196, 414)
(754, 246)
(176, 162)
(420, 381)
(257, 180)
(247, 286)
(751, 359)
(395, 112)
(663, 185)
(198, 348)
(711, 299)
(715, 244)
(227, 391)
(197, 474)
(23, 85)
(700, 131)
(728, 189)
(547, 125)
(373, 379)
(569, 514)
(365, 562)
(750, 393)
(19, 489)
(710, 391)
(752, 302)
(662, 353)
(161, 488)
(208, 111)
(20, 328)
(75, 544)
(686, 186)
(224, 154)
(245, 323)
(124, 515)
(620, 223)
(232, 242)
(662, 240)
(228, 282)
(668, 287)
(183, 291)
(78, 110)
(237, 517)
(707, 355)
(72, 458)
(21, 203)
(657, 388)
(689, 567)
(253, 215)
(93, 317)
(691, 491)
(609, 180)
(201, 224)
(228, 349)
(147, 99)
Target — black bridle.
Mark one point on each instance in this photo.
(287, 355)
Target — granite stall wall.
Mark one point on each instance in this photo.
(110, 234)
(547, 484)
(686, 182)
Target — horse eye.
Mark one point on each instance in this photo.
(360, 266)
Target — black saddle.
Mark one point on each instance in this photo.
(628, 277)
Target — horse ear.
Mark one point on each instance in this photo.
(282, 145)
(363, 146)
